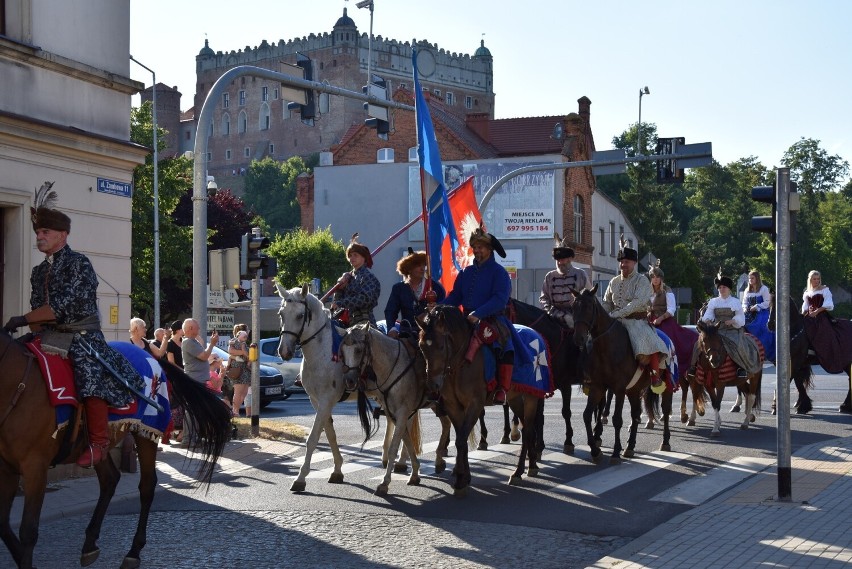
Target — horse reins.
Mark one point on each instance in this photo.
(589, 326)
(367, 359)
(22, 385)
(305, 319)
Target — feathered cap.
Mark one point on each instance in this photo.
(361, 250)
(562, 250)
(43, 214)
(722, 280)
(480, 236)
(655, 271)
(411, 261)
(625, 252)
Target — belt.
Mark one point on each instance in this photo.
(636, 316)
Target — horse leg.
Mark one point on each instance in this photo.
(462, 468)
(684, 389)
(108, 477)
(443, 444)
(649, 409)
(147, 453)
(331, 435)
(8, 488)
(483, 440)
(516, 402)
(591, 440)
(322, 421)
(389, 431)
(617, 422)
(805, 405)
(737, 403)
(399, 433)
(635, 418)
(412, 444)
(516, 433)
(539, 428)
(568, 445)
(667, 411)
(716, 396)
(605, 414)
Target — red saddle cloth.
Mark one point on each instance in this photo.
(59, 379)
(728, 371)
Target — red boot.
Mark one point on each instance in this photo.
(97, 425)
(504, 383)
(654, 367)
(475, 343)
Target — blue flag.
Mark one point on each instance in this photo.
(440, 220)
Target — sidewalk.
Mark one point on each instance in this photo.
(743, 527)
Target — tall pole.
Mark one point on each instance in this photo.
(644, 91)
(782, 329)
(255, 338)
(156, 199)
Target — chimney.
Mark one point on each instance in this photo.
(479, 123)
(584, 106)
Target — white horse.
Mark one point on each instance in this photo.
(398, 386)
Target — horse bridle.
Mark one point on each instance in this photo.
(588, 325)
(449, 356)
(367, 359)
(306, 317)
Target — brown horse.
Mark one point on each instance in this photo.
(801, 373)
(30, 441)
(713, 359)
(444, 337)
(609, 364)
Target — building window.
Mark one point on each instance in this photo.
(403, 86)
(209, 156)
(242, 97)
(242, 123)
(228, 154)
(412, 154)
(264, 121)
(226, 100)
(603, 240)
(247, 152)
(226, 124)
(612, 243)
(271, 149)
(437, 93)
(578, 219)
(275, 94)
(384, 156)
(264, 94)
(451, 99)
(468, 102)
(425, 89)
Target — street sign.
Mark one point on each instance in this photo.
(224, 267)
(607, 156)
(704, 148)
(289, 92)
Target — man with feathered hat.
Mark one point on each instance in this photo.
(626, 298)
(483, 289)
(556, 297)
(64, 305)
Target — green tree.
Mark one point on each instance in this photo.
(271, 191)
(302, 256)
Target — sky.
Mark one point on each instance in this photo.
(750, 76)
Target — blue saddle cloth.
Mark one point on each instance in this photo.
(531, 371)
(758, 328)
(672, 366)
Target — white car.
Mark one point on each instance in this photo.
(289, 369)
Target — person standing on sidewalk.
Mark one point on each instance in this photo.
(195, 357)
(64, 310)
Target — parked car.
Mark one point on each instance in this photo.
(289, 369)
(272, 383)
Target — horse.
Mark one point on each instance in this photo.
(712, 357)
(610, 364)
(31, 440)
(398, 378)
(444, 338)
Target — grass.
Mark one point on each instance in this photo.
(271, 430)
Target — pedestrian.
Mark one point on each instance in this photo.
(556, 297)
(408, 299)
(238, 353)
(137, 338)
(64, 302)
(358, 290)
(195, 357)
(174, 355)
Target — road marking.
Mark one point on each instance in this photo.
(614, 476)
(701, 488)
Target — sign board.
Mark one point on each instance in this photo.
(514, 260)
(215, 298)
(220, 319)
(527, 223)
(113, 314)
(293, 94)
(606, 156)
(224, 267)
(114, 187)
(704, 148)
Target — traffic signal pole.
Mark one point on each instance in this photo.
(782, 333)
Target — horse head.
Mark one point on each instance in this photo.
(710, 345)
(586, 310)
(354, 351)
(296, 314)
(444, 335)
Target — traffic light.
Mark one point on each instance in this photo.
(667, 170)
(379, 115)
(794, 208)
(252, 258)
(308, 110)
(764, 223)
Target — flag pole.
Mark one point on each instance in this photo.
(430, 294)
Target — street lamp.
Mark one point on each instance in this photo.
(644, 91)
(368, 4)
(156, 197)
(212, 186)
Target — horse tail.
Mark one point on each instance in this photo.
(209, 416)
(365, 414)
(652, 405)
(415, 433)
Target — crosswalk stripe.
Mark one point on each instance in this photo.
(614, 476)
(701, 488)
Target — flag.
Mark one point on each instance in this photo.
(466, 218)
(439, 220)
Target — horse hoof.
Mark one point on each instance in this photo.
(460, 492)
(690, 423)
(516, 436)
(715, 434)
(701, 412)
(130, 563)
(483, 445)
(400, 468)
(805, 407)
(384, 464)
(666, 448)
(297, 486)
(628, 453)
(649, 425)
(604, 421)
(440, 466)
(735, 409)
(752, 418)
(598, 441)
(336, 478)
(382, 490)
(744, 427)
(568, 449)
(614, 459)
(773, 412)
(514, 480)
(90, 557)
(684, 418)
(504, 440)
(532, 472)
(414, 481)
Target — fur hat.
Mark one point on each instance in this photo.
(408, 263)
(562, 250)
(361, 250)
(43, 214)
(480, 236)
(625, 252)
(722, 280)
(655, 271)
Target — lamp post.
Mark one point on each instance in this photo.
(156, 197)
(644, 91)
(368, 4)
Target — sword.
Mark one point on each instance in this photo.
(91, 352)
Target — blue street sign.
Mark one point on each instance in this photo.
(113, 187)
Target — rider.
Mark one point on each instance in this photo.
(756, 299)
(483, 289)
(556, 297)
(727, 311)
(64, 303)
(358, 290)
(626, 298)
(408, 298)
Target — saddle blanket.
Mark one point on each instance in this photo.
(532, 377)
(728, 370)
